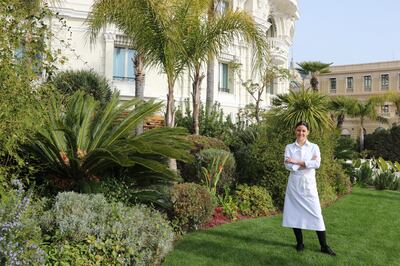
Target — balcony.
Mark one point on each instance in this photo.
(279, 51)
(286, 6)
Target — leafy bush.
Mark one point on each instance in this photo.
(364, 174)
(111, 232)
(20, 237)
(84, 144)
(384, 143)
(254, 201)
(341, 181)
(190, 172)
(387, 180)
(227, 176)
(213, 125)
(70, 81)
(192, 205)
(228, 203)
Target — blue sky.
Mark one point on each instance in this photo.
(347, 31)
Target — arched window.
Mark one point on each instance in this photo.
(271, 33)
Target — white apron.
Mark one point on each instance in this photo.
(302, 208)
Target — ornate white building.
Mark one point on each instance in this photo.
(110, 55)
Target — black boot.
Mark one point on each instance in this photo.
(299, 239)
(324, 247)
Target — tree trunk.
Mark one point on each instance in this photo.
(210, 65)
(362, 136)
(196, 100)
(340, 121)
(314, 83)
(210, 84)
(139, 84)
(169, 117)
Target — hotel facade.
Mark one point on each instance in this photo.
(110, 55)
(362, 81)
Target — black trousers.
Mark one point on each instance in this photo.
(299, 237)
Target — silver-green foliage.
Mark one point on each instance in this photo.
(142, 234)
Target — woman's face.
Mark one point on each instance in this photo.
(301, 133)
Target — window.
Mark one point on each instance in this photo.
(367, 83)
(223, 77)
(222, 6)
(349, 84)
(270, 88)
(332, 82)
(385, 110)
(123, 64)
(384, 81)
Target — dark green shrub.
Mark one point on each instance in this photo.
(387, 180)
(384, 143)
(112, 232)
(70, 81)
(364, 174)
(192, 205)
(254, 201)
(190, 172)
(341, 181)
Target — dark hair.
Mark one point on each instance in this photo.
(302, 123)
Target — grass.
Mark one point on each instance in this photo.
(363, 228)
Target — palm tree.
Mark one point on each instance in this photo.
(314, 68)
(85, 143)
(341, 106)
(109, 11)
(202, 38)
(364, 110)
(304, 105)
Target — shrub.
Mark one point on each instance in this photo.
(364, 174)
(20, 234)
(254, 201)
(227, 176)
(70, 81)
(203, 142)
(384, 143)
(192, 205)
(341, 181)
(113, 232)
(387, 180)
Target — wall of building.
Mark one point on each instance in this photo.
(99, 55)
(361, 92)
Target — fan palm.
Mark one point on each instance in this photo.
(341, 106)
(314, 68)
(304, 105)
(84, 143)
(201, 38)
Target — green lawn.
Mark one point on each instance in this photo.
(363, 228)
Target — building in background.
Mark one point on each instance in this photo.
(111, 54)
(362, 81)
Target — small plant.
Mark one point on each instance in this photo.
(212, 174)
(254, 201)
(229, 205)
(364, 174)
(192, 206)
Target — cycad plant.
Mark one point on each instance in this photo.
(85, 143)
(305, 105)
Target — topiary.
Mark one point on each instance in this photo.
(192, 206)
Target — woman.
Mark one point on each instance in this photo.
(302, 209)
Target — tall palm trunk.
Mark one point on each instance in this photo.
(362, 135)
(196, 100)
(314, 83)
(169, 116)
(210, 84)
(139, 84)
(340, 121)
(210, 66)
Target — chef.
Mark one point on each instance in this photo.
(302, 209)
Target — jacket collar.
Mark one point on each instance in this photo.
(305, 144)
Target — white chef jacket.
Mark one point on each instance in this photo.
(302, 208)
